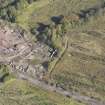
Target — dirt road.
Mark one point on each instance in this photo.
(84, 99)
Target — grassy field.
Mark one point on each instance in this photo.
(19, 92)
(23, 16)
(42, 11)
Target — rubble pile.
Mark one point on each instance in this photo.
(21, 54)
